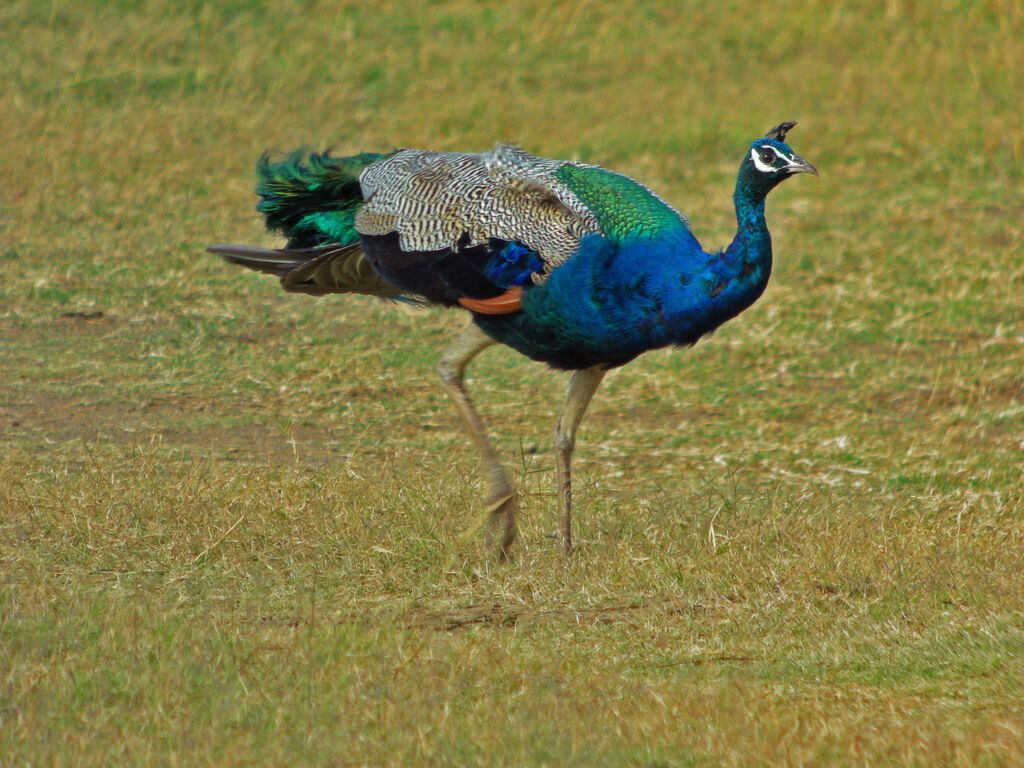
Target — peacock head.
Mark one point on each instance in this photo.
(770, 160)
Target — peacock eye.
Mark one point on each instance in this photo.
(767, 156)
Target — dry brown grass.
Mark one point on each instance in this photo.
(233, 519)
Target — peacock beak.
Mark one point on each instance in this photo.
(799, 165)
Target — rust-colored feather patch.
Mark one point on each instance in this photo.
(505, 304)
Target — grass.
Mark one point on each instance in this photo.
(233, 527)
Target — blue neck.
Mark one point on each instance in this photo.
(721, 285)
(751, 248)
(732, 280)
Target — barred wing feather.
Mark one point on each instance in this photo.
(439, 202)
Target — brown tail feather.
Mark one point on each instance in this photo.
(272, 261)
(316, 271)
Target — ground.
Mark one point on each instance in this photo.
(241, 527)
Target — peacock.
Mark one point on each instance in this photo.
(570, 264)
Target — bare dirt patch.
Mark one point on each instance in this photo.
(33, 415)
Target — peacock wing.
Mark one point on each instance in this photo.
(450, 225)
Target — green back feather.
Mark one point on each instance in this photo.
(312, 198)
(623, 208)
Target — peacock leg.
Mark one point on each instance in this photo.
(452, 366)
(581, 388)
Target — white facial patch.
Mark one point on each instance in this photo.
(755, 155)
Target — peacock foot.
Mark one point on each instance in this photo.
(501, 514)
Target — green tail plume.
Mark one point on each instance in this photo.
(312, 198)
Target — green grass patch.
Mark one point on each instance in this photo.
(233, 525)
